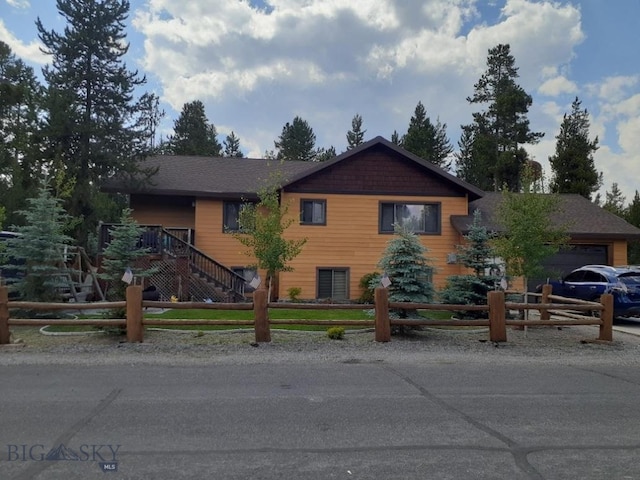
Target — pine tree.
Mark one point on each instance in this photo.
(21, 106)
(123, 252)
(427, 140)
(615, 201)
(355, 136)
(633, 217)
(322, 155)
(476, 255)
(91, 131)
(193, 134)
(296, 142)
(572, 164)
(503, 123)
(232, 146)
(38, 250)
(408, 268)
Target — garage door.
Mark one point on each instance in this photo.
(569, 259)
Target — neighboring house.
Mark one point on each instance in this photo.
(344, 207)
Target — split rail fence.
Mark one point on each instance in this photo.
(564, 311)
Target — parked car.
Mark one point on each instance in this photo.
(591, 281)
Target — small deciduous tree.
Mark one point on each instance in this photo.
(39, 249)
(529, 233)
(410, 271)
(262, 226)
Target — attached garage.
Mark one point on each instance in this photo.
(570, 258)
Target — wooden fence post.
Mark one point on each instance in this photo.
(135, 331)
(261, 315)
(606, 315)
(497, 313)
(5, 334)
(383, 324)
(546, 291)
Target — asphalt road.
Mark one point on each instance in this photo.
(378, 420)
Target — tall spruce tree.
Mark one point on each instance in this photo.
(572, 164)
(502, 128)
(232, 146)
(20, 140)
(91, 131)
(426, 139)
(296, 142)
(193, 134)
(355, 136)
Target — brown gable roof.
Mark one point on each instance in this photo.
(210, 176)
(243, 177)
(582, 218)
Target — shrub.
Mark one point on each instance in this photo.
(335, 333)
(367, 284)
(294, 293)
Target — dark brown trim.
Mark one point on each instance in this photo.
(318, 200)
(347, 280)
(400, 202)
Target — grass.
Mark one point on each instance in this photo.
(247, 315)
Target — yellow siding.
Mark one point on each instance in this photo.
(619, 252)
(168, 216)
(210, 239)
(351, 239)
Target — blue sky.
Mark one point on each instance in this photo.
(257, 65)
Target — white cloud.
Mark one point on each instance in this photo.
(22, 4)
(557, 86)
(26, 51)
(613, 89)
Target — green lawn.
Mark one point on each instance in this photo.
(366, 314)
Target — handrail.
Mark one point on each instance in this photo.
(202, 264)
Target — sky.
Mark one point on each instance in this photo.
(257, 64)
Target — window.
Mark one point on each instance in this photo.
(230, 213)
(333, 283)
(418, 217)
(248, 274)
(313, 212)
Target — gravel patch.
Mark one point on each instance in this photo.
(539, 344)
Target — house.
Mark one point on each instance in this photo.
(345, 208)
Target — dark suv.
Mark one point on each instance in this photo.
(591, 281)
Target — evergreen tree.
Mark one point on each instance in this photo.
(149, 119)
(323, 155)
(232, 146)
(408, 268)
(572, 164)
(427, 140)
(296, 142)
(91, 130)
(615, 201)
(633, 217)
(504, 122)
(20, 140)
(355, 136)
(38, 250)
(395, 138)
(193, 134)
(477, 255)
(123, 252)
